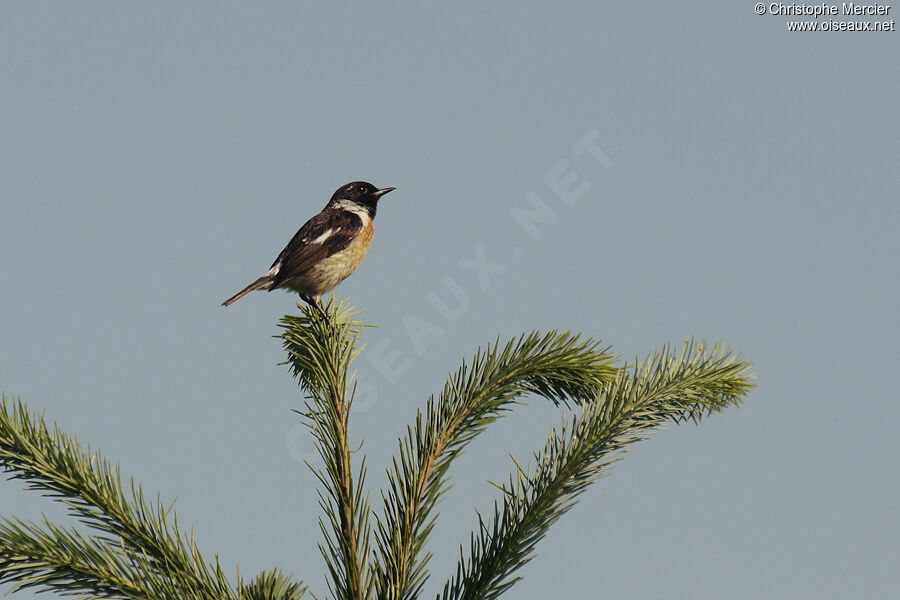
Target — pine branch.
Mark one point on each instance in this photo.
(271, 585)
(557, 366)
(50, 558)
(92, 490)
(664, 388)
(320, 353)
(138, 551)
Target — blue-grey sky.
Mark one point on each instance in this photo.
(732, 180)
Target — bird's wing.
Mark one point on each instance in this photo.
(328, 232)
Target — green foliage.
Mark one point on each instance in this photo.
(559, 367)
(135, 548)
(320, 353)
(271, 584)
(663, 388)
(131, 547)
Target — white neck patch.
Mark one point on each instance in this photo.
(355, 208)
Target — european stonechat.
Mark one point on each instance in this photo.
(327, 249)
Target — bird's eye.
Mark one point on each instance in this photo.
(362, 189)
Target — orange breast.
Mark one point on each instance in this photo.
(360, 246)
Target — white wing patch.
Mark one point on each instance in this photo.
(325, 236)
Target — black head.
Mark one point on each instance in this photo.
(361, 193)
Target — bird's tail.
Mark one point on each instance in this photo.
(262, 283)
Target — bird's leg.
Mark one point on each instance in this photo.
(316, 302)
(322, 312)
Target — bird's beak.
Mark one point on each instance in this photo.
(382, 192)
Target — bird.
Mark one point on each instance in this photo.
(327, 249)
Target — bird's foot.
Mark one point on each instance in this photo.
(316, 303)
(324, 314)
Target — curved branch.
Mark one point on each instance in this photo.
(557, 366)
(92, 490)
(664, 388)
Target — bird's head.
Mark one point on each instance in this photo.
(360, 193)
